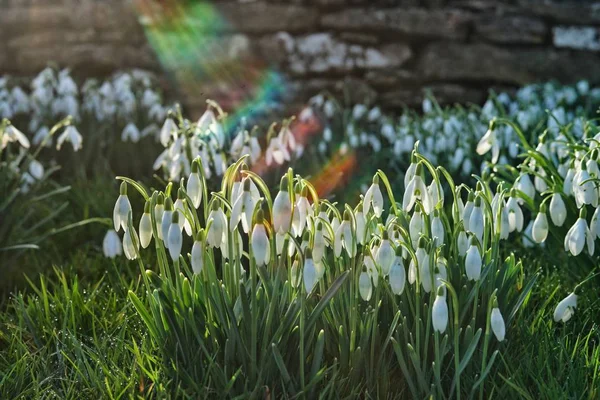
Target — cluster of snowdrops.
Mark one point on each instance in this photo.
(421, 262)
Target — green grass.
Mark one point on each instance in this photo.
(74, 333)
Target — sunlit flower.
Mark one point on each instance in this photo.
(566, 308)
(146, 226)
(122, 209)
(260, 241)
(373, 198)
(282, 209)
(489, 142)
(70, 134)
(111, 245)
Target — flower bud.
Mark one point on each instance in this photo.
(397, 276)
(539, 230)
(558, 210)
(146, 226)
(439, 312)
(364, 286)
(174, 238)
(497, 323)
(473, 263)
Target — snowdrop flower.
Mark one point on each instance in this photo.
(386, 255)
(525, 185)
(568, 182)
(425, 273)
(282, 209)
(440, 273)
(260, 241)
(539, 230)
(476, 220)
(111, 245)
(437, 228)
(439, 312)
(194, 185)
(36, 169)
(131, 244)
(12, 134)
(218, 227)
(397, 275)
(318, 250)
(243, 208)
(168, 130)
(595, 223)
(180, 208)
(358, 111)
(497, 323)
(373, 198)
(365, 287)
(167, 219)
(539, 182)
(197, 258)
(578, 236)
(344, 238)
(488, 142)
(473, 262)
(415, 226)
(566, 308)
(122, 209)
(361, 223)
(277, 152)
(130, 132)
(175, 238)
(310, 274)
(467, 210)
(159, 209)
(558, 210)
(146, 226)
(417, 190)
(584, 189)
(515, 214)
(303, 209)
(374, 114)
(462, 243)
(70, 134)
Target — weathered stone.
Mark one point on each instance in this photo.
(487, 63)
(577, 37)
(566, 11)
(389, 78)
(359, 38)
(452, 24)
(511, 29)
(321, 52)
(263, 17)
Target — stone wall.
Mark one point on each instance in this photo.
(389, 50)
